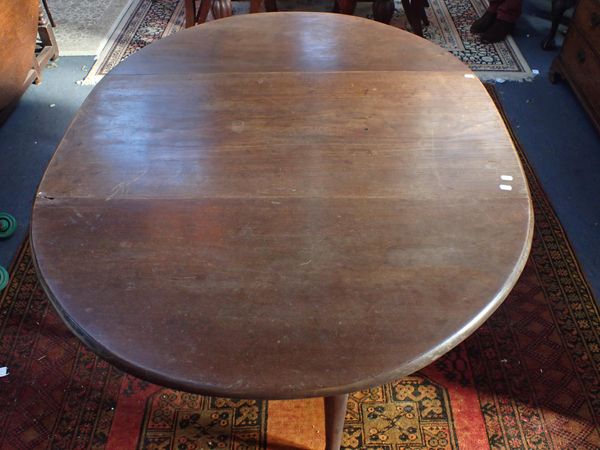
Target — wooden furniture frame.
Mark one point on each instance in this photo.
(49, 48)
(578, 62)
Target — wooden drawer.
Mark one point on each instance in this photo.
(583, 67)
(587, 21)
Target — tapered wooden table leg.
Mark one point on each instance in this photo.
(335, 412)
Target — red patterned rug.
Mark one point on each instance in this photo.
(529, 378)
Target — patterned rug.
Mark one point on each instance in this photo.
(449, 27)
(83, 27)
(529, 378)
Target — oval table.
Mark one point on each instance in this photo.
(281, 206)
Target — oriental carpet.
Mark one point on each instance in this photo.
(84, 26)
(529, 378)
(450, 21)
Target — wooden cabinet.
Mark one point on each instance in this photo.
(18, 25)
(579, 59)
(20, 62)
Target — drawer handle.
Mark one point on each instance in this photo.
(595, 20)
(581, 56)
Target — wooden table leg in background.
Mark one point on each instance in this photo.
(220, 9)
(418, 7)
(205, 6)
(190, 13)
(255, 6)
(346, 6)
(335, 413)
(383, 10)
(415, 12)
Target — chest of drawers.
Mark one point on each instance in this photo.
(579, 60)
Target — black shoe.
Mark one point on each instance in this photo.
(482, 24)
(497, 32)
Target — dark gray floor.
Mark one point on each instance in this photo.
(555, 132)
(29, 137)
(559, 140)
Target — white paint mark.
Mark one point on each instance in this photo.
(118, 189)
(469, 75)
(3, 372)
(506, 177)
(506, 187)
(238, 126)
(121, 188)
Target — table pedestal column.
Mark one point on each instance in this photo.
(335, 412)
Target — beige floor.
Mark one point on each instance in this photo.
(82, 26)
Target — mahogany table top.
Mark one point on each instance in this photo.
(282, 205)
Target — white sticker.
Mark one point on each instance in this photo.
(3, 371)
(506, 177)
(469, 75)
(506, 187)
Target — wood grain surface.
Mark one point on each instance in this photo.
(282, 205)
(18, 22)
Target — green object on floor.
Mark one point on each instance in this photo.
(8, 225)
(3, 278)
